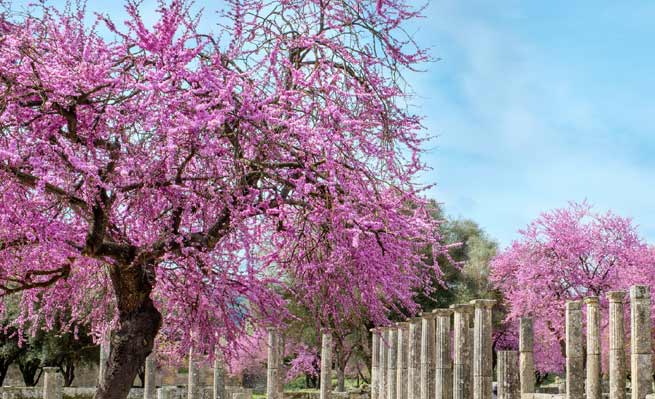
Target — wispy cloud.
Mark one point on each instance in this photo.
(525, 124)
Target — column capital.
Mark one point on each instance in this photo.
(441, 312)
(591, 301)
(574, 305)
(483, 303)
(639, 292)
(462, 308)
(616, 296)
(402, 325)
(428, 315)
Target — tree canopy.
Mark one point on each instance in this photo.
(164, 177)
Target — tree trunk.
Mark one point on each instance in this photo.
(68, 371)
(29, 370)
(4, 368)
(139, 323)
(341, 379)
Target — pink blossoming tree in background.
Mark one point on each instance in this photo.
(162, 181)
(567, 254)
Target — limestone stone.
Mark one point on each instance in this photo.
(326, 365)
(526, 355)
(105, 349)
(401, 365)
(616, 345)
(593, 385)
(427, 356)
(482, 349)
(575, 373)
(463, 351)
(414, 360)
(52, 384)
(640, 342)
(150, 383)
(392, 364)
(375, 362)
(443, 362)
(508, 385)
(167, 393)
(384, 351)
(272, 365)
(193, 386)
(218, 383)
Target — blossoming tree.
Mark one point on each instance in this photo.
(160, 181)
(567, 254)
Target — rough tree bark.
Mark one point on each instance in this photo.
(139, 323)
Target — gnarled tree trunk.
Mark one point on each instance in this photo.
(139, 323)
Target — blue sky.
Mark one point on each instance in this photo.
(533, 104)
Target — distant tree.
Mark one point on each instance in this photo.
(567, 254)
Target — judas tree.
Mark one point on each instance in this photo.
(568, 254)
(158, 179)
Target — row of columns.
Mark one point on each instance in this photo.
(576, 377)
(413, 360)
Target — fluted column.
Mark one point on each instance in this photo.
(508, 385)
(401, 368)
(272, 364)
(463, 353)
(641, 359)
(219, 376)
(617, 346)
(574, 351)
(482, 349)
(281, 372)
(593, 348)
(414, 360)
(193, 386)
(384, 354)
(326, 365)
(52, 384)
(443, 364)
(526, 355)
(105, 349)
(427, 356)
(375, 362)
(392, 364)
(150, 383)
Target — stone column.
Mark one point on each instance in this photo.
(526, 355)
(401, 368)
(593, 348)
(508, 385)
(167, 393)
(427, 356)
(219, 376)
(150, 383)
(384, 353)
(272, 365)
(326, 365)
(375, 362)
(281, 372)
(105, 349)
(52, 383)
(575, 372)
(617, 346)
(641, 358)
(463, 359)
(443, 363)
(414, 360)
(193, 385)
(482, 349)
(392, 364)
